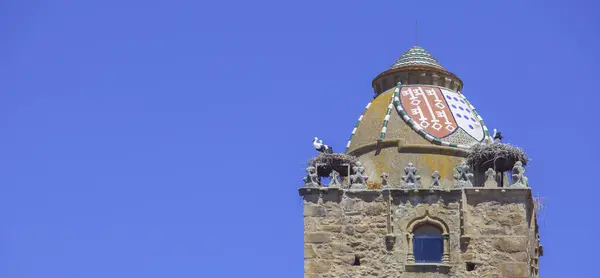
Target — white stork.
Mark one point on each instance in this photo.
(497, 135)
(320, 147)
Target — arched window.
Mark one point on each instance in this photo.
(428, 244)
(428, 240)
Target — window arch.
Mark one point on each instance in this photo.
(428, 240)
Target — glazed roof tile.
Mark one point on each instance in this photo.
(416, 56)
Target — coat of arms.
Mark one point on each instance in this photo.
(440, 112)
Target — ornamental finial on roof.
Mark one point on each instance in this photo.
(416, 32)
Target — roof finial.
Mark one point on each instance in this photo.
(416, 32)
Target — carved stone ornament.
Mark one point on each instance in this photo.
(311, 179)
(335, 176)
(390, 240)
(359, 179)
(518, 176)
(384, 181)
(435, 177)
(463, 176)
(410, 178)
(490, 178)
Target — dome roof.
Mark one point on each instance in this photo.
(416, 56)
(422, 118)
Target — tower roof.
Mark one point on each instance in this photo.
(417, 56)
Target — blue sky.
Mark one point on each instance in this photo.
(168, 138)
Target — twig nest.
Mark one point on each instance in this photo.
(339, 162)
(499, 156)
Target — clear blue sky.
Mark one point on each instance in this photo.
(168, 138)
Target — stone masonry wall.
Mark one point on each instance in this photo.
(346, 230)
(499, 232)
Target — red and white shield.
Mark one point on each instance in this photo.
(439, 111)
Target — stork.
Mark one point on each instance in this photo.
(497, 135)
(320, 147)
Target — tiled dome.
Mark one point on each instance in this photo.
(416, 56)
(419, 116)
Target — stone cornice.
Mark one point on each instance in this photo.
(472, 192)
(407, 148)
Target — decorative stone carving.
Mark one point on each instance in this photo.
(518, 176)
(490, 178)
(334, 175)
(463, 175)
(311, 179)
(384, 181)
(410, 178)
(435, 177)
(359, 179)
(390, 240)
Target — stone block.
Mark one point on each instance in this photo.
(374, 209)
(378, 225)
(330, 220)
(350, 205)
(332, 228)
(493, 230)
(467, 256)
(514, 270)
(490, 275)
(379, 219)
(512, 219)
(323, 251)
(381, 231)
(318, 266)
(341, 247)
(511, 244)
(317, 237)
(370, 237)
(310, 224)
(309, 252)
(315, 211)
(521, 229)
(361, 228)
(500, 257)
(520, 257)
(347, 259)
(349, 230)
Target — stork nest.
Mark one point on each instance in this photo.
(325, 163)
(499, 156)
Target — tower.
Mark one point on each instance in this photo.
(422, 190)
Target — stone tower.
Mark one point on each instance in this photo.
(422, 190)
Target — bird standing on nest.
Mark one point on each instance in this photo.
(497, 136)
(320, 147)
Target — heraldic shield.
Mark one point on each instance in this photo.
(437, 112)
